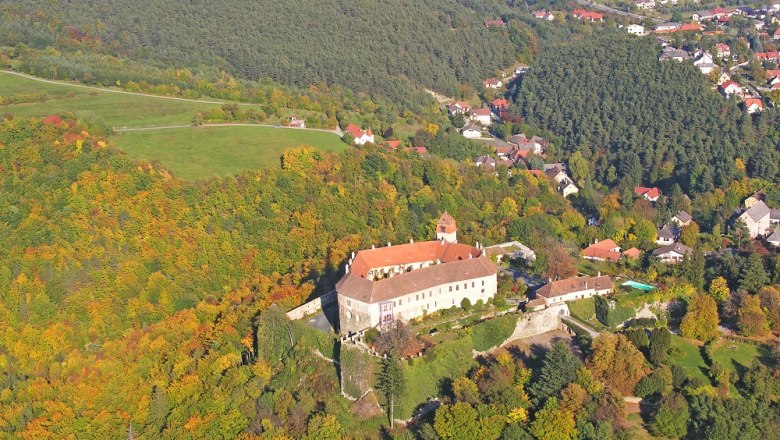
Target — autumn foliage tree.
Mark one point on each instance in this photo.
(617, 362)
(701, 319)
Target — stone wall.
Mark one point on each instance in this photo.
(541, 321)
(312, 306)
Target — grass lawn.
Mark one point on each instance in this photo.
(196, 153)
(585, 310)
(730, 352)
(116, 109)
(690, 359)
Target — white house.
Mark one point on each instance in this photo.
(672, 253)
(705, 63)
(757, 218)
(722, 50)
(382, 285)
(644, 4)
(482, 116)
(753, 105)
(682, 218)
(774, 239)
(556, 292)
(635, 29)
(544, 15)
(492, 83)
(360, 136)
(667, 235)
(472, 131)
(729, 88)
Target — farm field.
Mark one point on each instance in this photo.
(189, 153)
(194, 153)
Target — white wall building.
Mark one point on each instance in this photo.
(382, 285)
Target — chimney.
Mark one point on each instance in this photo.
(373, 247)
(353, 255)
(388, 244)
(411, 241)
(599, 273)
(347, 268)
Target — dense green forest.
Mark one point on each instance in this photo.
(371, 46)
(636, 119)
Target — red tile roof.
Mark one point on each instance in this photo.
(571, 285)
(648, 193)
(447, 222)
(632, 253)
(354, 131)
(500, 103)
(603, 249)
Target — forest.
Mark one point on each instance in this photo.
(638, 120)
(376, 47)
(98, 251)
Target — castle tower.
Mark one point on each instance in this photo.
(446, 229)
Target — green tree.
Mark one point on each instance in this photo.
(559, 368)
(554, 423)
(657, 382)
(392, 383)
(671, 417)
(615, 361)
(753, 275)
(701, 319)
(457, 421)
(578, 166)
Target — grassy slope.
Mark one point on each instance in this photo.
(117, 109)
(196, 153)
(188, 152)
(691, 359)
(729, 352)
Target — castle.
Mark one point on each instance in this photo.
(382, 285)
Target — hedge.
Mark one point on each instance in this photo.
(492, 332)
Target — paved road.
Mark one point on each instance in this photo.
(605, 8)
(337, 131)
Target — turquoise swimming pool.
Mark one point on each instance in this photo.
(638, 285)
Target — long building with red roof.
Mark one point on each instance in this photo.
(382, 285)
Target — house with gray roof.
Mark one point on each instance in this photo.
(757, 218)
(672, 253)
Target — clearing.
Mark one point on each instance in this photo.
(189, 153)
(193, 153)
(689, 358)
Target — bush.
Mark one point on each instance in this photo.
(679, 376)
(611, 314)
(465, 304)
(675, 352)
(638, 337)
(655, 383)
(371, 335)
(491, 333)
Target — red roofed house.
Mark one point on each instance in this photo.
(458, 107)
(360, 137)
(722, 50)
(492, 83)
(753, 105)
(500, 104)
(776, 34)
(651, 194)
(729, 88)
(584, 15)
(392, 144)
(382, 285)
(543, 15)
(482, 115)
(691, 27)
(605, 250)
(632, 253)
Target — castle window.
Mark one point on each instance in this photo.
(472, 284)
(457, 287)
(423, 295)
(349, 314)
(400, 301)
(450, 288)
(465, 286)
(417, 297)
(483, 283)
(349, 303)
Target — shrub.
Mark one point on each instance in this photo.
(371, 335)
(679, 376)
(655, 383)
(491, 333)
(612, 314)
(465, 304)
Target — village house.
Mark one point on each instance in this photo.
(557, 173)
(757, 219)
(544, 15)
(534, 144)
(492, 83)
(705, 63)
(682, 218)
(382, 285)
(360, 136)
(511, 249)
(632, 253)
(722, 50)
(776, 34)
(672, 54)
(729, 88)
(584, 15)
(482, 116)
(635, 29)
(756, 197)
(651, 194)
(711, 14)
(391, 145)
(774, 238)
(297, 123)
(672, 253)
(458, 108)
(753, 105)
(604, 250)
(472, 131)
(667, 235)
(644, 4)
(499, 104)
(556, 292)
(667, 27)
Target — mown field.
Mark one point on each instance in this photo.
(189, 153)
(200, 152)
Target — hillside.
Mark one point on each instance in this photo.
(641, 120)
(368, 45)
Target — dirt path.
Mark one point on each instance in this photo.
(337, 131)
